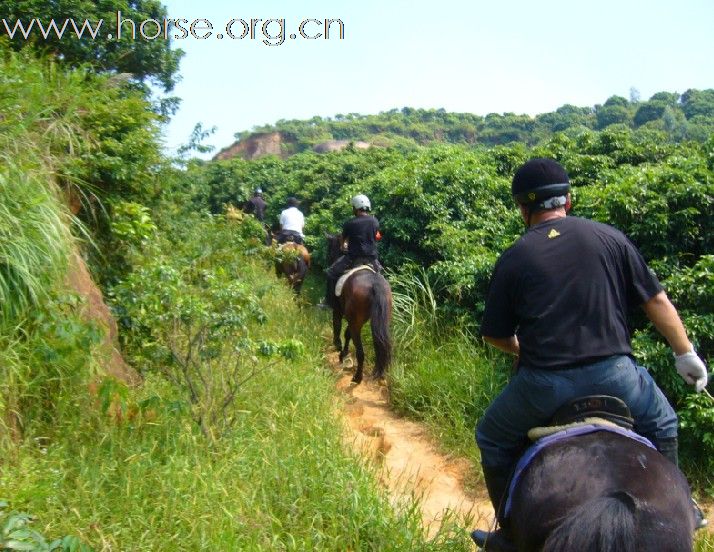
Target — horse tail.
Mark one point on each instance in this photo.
(379, 319)
(603, 524)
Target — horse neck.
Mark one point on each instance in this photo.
(333, 249)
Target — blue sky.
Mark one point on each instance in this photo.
(466, 56)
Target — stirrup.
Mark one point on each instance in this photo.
(700, 520)
(494, 541)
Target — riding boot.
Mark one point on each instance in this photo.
(497, 481)
(330, 298)
(668, 447)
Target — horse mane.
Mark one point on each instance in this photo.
(583, 530)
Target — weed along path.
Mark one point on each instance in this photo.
(407, 461)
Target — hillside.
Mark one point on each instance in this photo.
(686, 116)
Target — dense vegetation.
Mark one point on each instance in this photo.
(686, 116)
(447, 214)
(137, 60)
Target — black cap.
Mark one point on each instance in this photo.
(539, 179)
(293, 202)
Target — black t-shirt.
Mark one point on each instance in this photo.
(256, 206)
(564, 288)
(361, 233)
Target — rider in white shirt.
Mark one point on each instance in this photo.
(292, 222)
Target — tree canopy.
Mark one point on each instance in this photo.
(146, 60)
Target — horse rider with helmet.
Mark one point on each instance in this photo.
(256, 205)
(558, 301)
(361, 233)
(292, 222)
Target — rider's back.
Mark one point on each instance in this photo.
(570, 283)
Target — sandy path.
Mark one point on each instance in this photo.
(408, 462)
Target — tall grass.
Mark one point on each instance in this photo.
(35, 239)
(442, 374)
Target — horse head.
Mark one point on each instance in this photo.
(334, 247)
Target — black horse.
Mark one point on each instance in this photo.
(601, 492)
(365, 296)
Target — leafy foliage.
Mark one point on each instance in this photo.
(187, 313)
(98, 137)
(153, 60)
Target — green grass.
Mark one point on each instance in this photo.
(279, 480)
(442, 375)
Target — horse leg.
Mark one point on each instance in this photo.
(346, 349)
(336, 327)
(357, 338)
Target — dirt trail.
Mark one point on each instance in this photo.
(409, 464)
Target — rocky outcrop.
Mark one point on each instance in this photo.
(339, 145)
(255, 146)
(276, 143)
(95, 310)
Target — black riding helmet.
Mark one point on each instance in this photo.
(539, 179)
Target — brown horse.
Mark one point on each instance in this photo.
(292, 261)
(365, 296)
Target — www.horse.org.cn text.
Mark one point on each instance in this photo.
(271, 32)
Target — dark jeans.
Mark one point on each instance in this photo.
(286, 236)
(532, 396)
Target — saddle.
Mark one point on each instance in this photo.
(342, 279)
(590, 410)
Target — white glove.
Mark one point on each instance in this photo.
(692, 369)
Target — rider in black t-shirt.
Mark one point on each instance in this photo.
(256, 205)
(558, 300)
(361, 234)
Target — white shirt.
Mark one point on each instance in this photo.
(292, 219)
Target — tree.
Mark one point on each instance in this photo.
(616, 110)
(698, 102)
(649, 111)
(145, 60)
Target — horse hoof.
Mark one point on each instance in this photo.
(356, 380)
